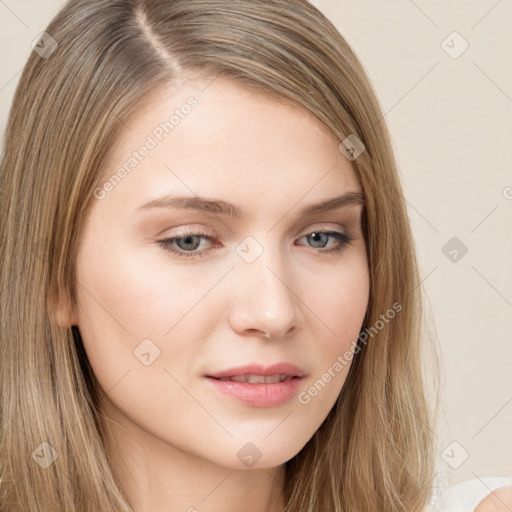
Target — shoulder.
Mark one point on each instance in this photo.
(499, 500)
(486, 494)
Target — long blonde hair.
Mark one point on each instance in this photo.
(376, 449)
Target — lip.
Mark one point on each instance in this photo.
(259, 394)
(258, 369)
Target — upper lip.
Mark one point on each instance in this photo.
(258, 369)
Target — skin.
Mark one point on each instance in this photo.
(500, 500)
(177, 439)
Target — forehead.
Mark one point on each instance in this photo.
(218, 138)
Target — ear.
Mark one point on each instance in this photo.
(61, 310)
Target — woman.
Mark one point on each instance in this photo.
(277, 367)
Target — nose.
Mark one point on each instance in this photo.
(265, 299)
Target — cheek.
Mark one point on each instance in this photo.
(339, 300)
(131, 306)
(126, 310)
(340, 306)
(143, 295)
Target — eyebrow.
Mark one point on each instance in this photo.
(220, 207)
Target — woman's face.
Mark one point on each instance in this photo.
(158, 316)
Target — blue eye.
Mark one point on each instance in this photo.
(342, 239)
(190, 242)
(190, 239)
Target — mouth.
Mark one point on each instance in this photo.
(259, 374)
(256, 390)
(257, 379)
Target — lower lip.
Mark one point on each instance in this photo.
(258, 395)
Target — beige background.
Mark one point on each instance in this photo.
(450, 120)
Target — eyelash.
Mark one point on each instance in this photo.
(343, 240)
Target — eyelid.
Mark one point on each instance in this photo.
(190, 229)
(323, 226)
(202, 230)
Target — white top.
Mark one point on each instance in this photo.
(465, 496)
